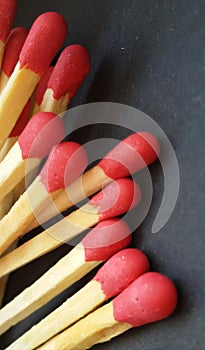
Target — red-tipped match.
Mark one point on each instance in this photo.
(121, 270)
(152, 297)
(130, 155)
(13, 48)
(45, 38)
(42, 132)
(7, 14)
(42, 85)
(106, 239)
(22, 121)
(65, 163)
(116, 198)
(72, 67)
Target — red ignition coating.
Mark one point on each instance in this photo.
(116, 198)
(42, 85)
(106, 239)
(13, 48)
(65, 163)
(121, 270)
(45, 38)
(72, 67)
(130, 155)
(7, 14)
(152, 297)
(22, 121)
(42, 132)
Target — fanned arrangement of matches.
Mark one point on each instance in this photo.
(33, 98)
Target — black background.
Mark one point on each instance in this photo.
(149, 55)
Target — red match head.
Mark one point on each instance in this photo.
(13, 48)
(43, 131)
(116, 198)
(106, 239)
(7, 14)
(121, 270)
(22, 121)
(152, 297)
(45, 38)
(65, 163)
(72, 67)
(130, 155)
(42, 85)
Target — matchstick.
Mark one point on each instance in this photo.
(12, 51)
(115, 275)
(17, 130)
(65, 163)
(35, 57)
(99, 245)
(41, 89)
(117, 198)
(150, 298)
(43, 131)
(70, 70)
(7, 14)
(131, 155)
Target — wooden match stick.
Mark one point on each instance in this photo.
(132, 154)
(12, 51)
(67, 157)
(35, 57)
(43, 131)
(116, 199)
(70, 70)
(5, 206)
(41, 89)
(115, 275)
(7, 14)
(150, 298)
(99, 245)
(17, 130)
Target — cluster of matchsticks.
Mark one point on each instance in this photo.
(33, 95)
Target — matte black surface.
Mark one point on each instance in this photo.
(149, 55)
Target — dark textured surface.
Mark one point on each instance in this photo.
(149, 55)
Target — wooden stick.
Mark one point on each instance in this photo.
(41, 89)
(17, 130)
(35, 57)
(35, 142)
(130, 155)
(150, 298)
(12, 51)
(47, 185)
(5, 206)
(115, 275)
(4, 280)
(7, 14)
(82, 259)
(70, 70)
(116, 199)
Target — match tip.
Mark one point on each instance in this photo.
(132, 154)
(106, 239)
(121, 270)
(45, 38)
(43, 131)
(7, 14)
(65, 163)
(116, 198)
(13, 48)
(152, 297)
(71, 68)
(43, 85)
(22, 121)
